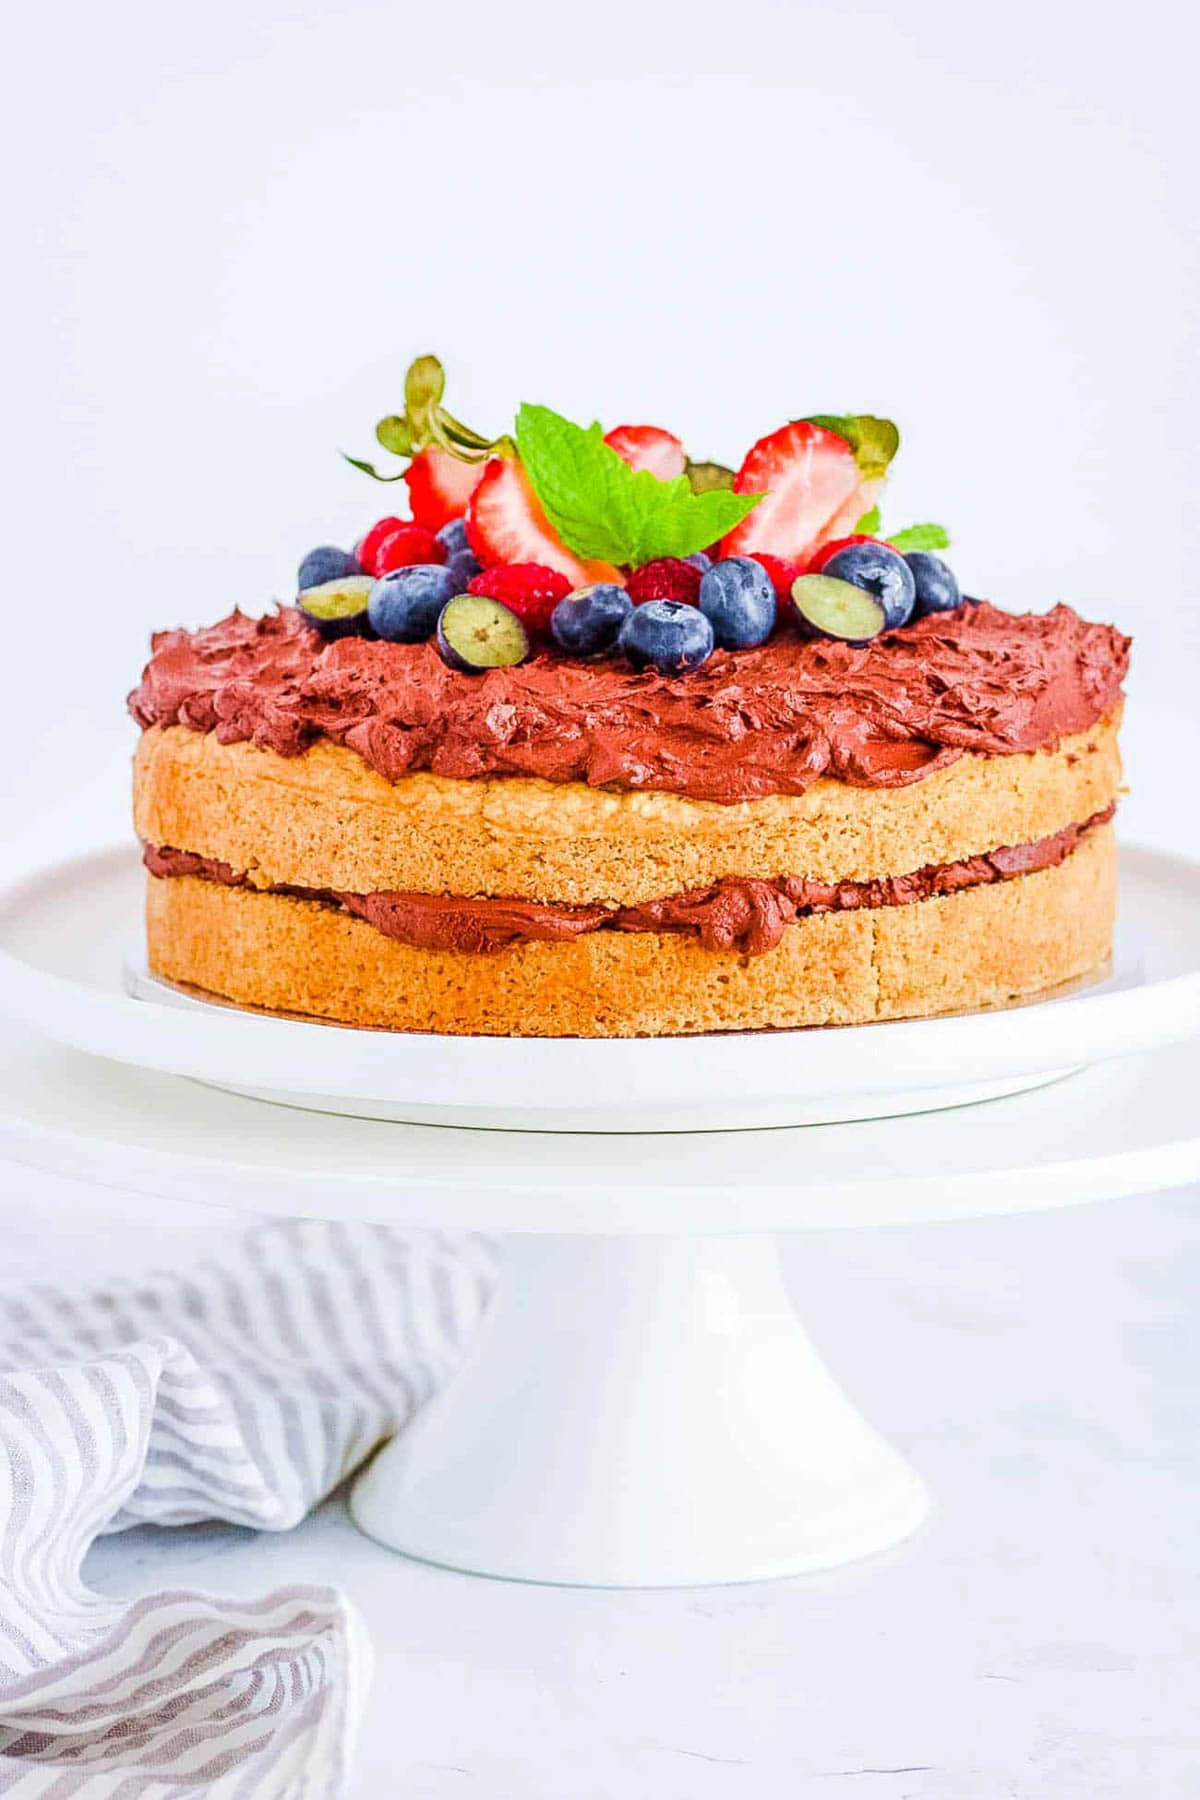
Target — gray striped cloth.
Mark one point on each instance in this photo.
(242, 1390)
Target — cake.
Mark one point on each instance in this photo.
(604, 743)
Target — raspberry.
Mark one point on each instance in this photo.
(827, 552)
(368, 548)
(530, 590)
(666, 578)
(781, 571)
(407, 545)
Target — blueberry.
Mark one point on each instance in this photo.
(937, 590)
(700, 559)
(404, 605)
(668, 635)
(882, 572)
(475, 633)
(453, 537)
(830, 608)
(337, 608)
(325, 563)
(737, 599)
(464, 566)
(588, 622)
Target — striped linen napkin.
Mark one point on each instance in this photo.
(242, 1390)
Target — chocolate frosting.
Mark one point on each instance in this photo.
(750, 916)
(749, 723)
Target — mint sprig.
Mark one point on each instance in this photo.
(873, 441)
(606, 511)
(868, 525)
(920, 537)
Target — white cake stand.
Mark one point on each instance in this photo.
(642, 1406)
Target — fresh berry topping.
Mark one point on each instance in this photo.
(667, 635)
(528, 589)
(820, 559)
(405, 604)
(325, 563)
(337, 608)
(368, 547)
(781, 572)
(880, 571)
(588, 622)
(439, 486)
(700, 559)
(937, 589)
(505, 524)
(837, 609)
(453, 537)
(737, 599)
(475, 633)
(808, 476)
(410, 544)
(464, 567)
(648, 447)
(666, 578)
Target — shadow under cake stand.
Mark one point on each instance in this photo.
(641, 1406)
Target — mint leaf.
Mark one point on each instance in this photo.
(606, 511)
(920, 537)
(869, 523)
(873, 441)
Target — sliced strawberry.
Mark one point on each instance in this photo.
(809, 477)
(505, 524)
(439, 486)
(829, 550)
(843, 522)
(648, 447)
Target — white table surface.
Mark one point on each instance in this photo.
(1038, 1640)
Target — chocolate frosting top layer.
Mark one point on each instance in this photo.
(747, 724)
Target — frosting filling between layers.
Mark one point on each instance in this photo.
(772, 720)
(748, 915)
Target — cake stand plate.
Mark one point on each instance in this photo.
(68, 967)
(641, 1407)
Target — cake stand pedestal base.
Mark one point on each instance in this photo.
(639, 1412)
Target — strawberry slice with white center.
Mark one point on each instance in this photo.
(506, 524)
(648, 447)
(810, 480)
(439, 486)
(842, 524)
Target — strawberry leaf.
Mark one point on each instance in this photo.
(920, 537)
(709, 477)
(393, 433)
(356, 462)
(424, 385)
(873, 441)
(606, 511)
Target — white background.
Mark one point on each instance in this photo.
(230, 227)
